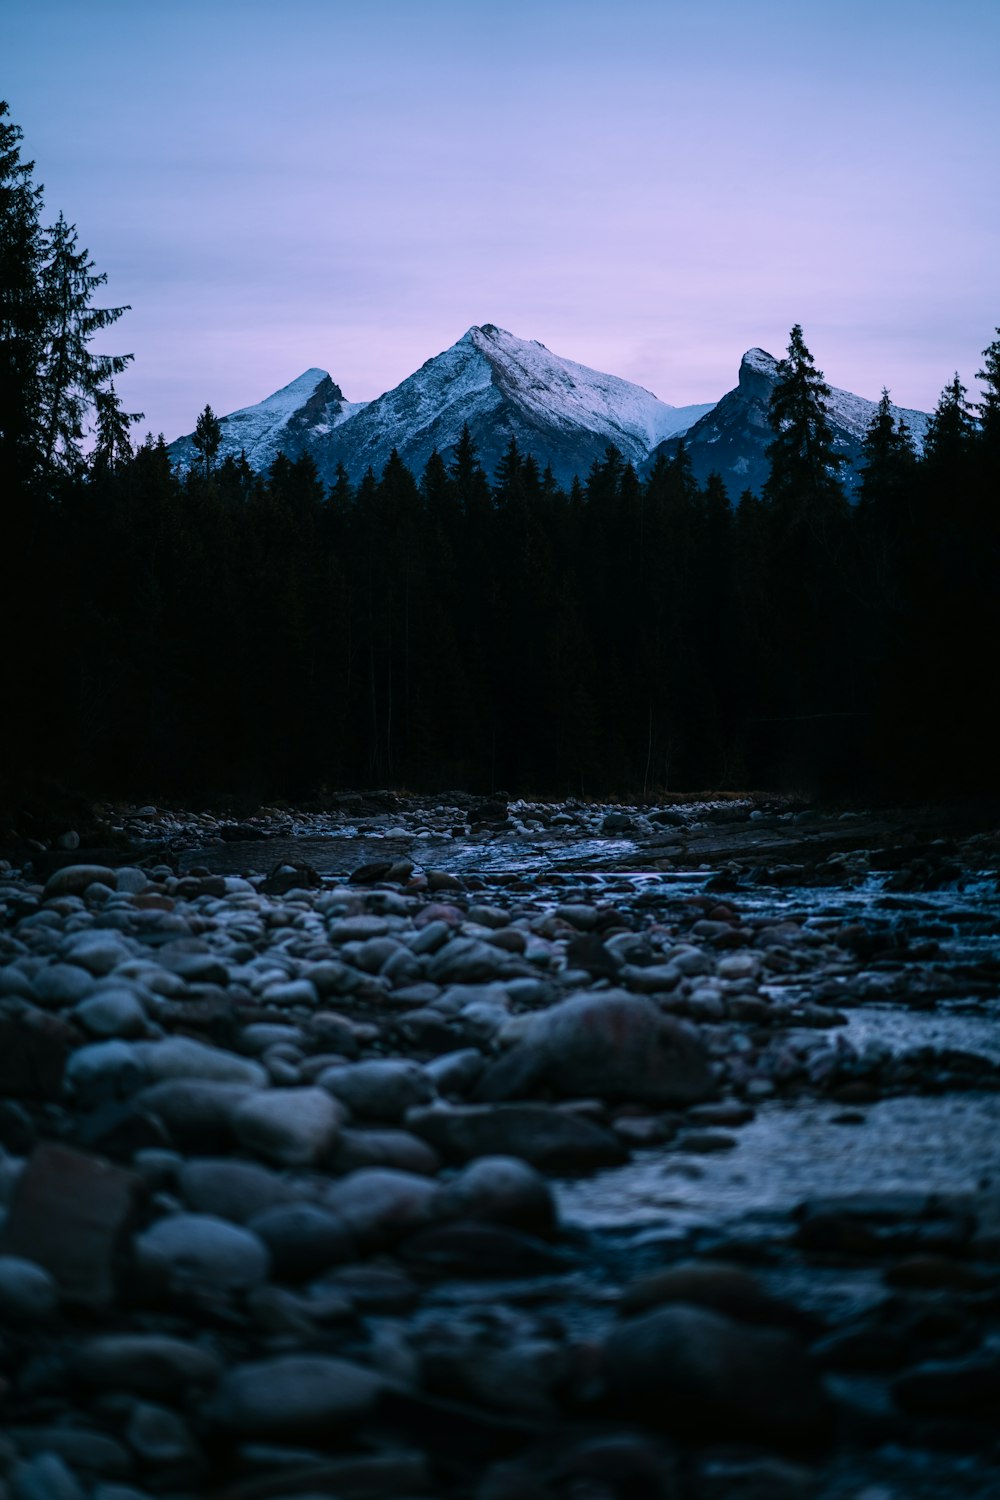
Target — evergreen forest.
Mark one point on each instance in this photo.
(228, 633)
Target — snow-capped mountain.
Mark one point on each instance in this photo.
(563, 413)
(295, 420)
(505, 387)
(733, 437)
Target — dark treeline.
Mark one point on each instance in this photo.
(231, 632)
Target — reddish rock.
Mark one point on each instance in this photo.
(69, 1213)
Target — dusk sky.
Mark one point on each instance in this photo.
(646, 187)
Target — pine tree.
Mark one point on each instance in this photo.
(989, 407)
(71, 376)
(951, 428)
(113, 446)
(889, 458)
(207, 438)
(21, 315)
(803, 486)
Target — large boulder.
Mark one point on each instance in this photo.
(610, 1044)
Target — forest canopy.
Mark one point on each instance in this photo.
(229, 632)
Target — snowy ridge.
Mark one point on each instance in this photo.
(562, 413)
(294, 420)
(732, 439)
(504, 387)
(849, 413)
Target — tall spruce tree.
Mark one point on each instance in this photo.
(803, 483)
(22, 322)
(113, 445)
(989, 407)
(951, 428)
(71, 375)
(207, 438)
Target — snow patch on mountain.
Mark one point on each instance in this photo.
(505, 387)
(294, 420)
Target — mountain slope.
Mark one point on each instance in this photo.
(563, 413)
(295, 420)
(733, 437)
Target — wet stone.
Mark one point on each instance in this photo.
(548, 1138)
(296, 1127)
(28, 1294)
(73, 880)
(149, 1364)
(293, 1396)
(69, 1214)
(195, 1253)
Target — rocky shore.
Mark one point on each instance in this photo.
(293, 1158)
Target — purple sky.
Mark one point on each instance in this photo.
(646, 187)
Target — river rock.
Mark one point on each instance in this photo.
(609, 1044)
(73, 880)
(380, 1089)
(725, 1288)
(379, 1204)
(502, 1190)
(294, 1396)
(454, 1073)
(199, 1253)
(146, 1364)
(69, 1213)
(384, 1148)
(303, 1239)
(34, 1049)
(160, 1438)
(466, 960)
(61, 984)
(97, 951)
(549, 1138)
(198, 1113)
(44, 1477)
(183, 1057)
(113, 1012)
(104, 1071)
(28, 1294)
(233, 1190)
(702, 1375)
(296, 1127)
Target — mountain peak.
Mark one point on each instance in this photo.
(291, 420)
(758, 372)
(733, 439)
